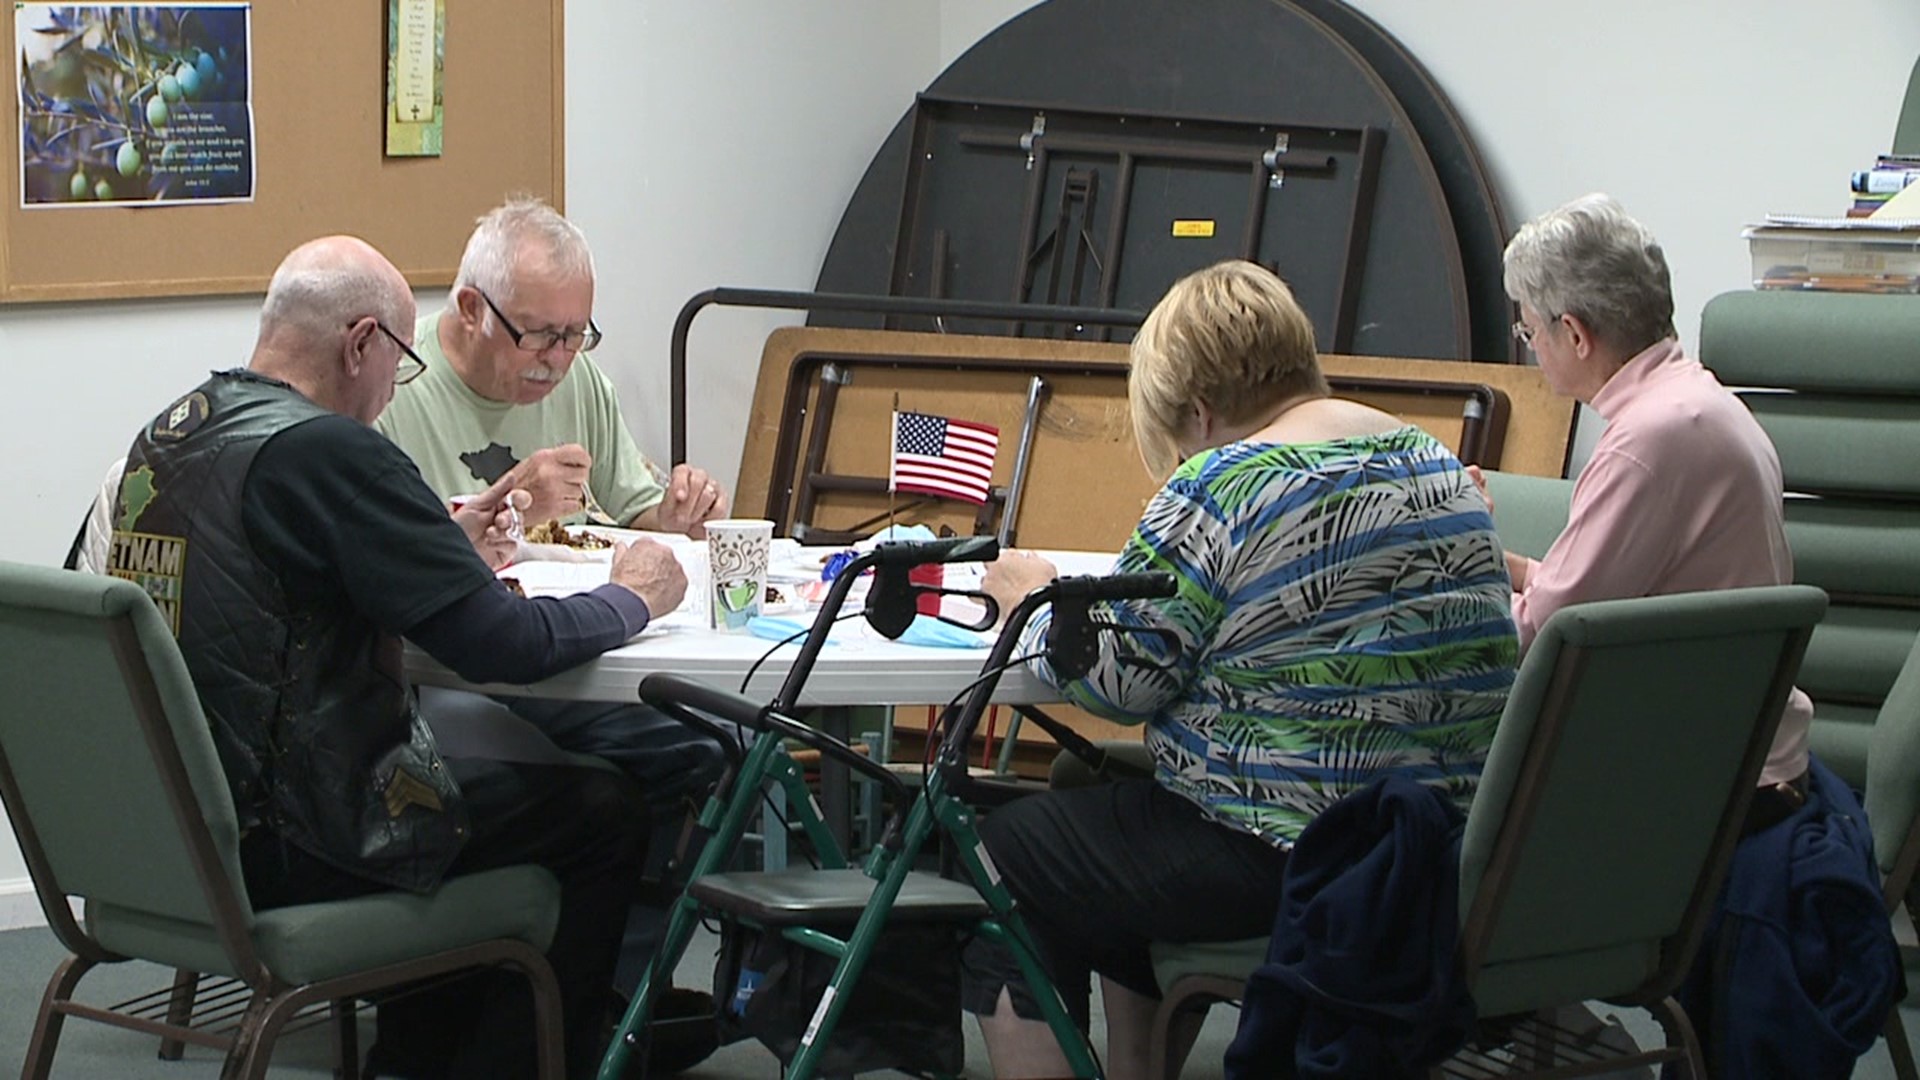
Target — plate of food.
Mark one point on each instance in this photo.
(554, 542)
(782, 598)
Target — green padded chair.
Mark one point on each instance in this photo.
(1853, 642)
(110, 779)
(1574, 883)
(1906, 129)
(1893, 810)
(1837, 388)
(1529, 512)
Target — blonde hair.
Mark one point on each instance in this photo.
(1231, 336)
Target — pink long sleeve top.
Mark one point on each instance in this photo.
(1683, 493)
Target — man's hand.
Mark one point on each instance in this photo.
(1013, 575)
(491, 521)
(649, 569)
(557, 477)
(692, 499)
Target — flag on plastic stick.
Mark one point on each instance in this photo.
(933, 455)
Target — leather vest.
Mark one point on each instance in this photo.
(317, 729)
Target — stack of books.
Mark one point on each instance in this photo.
(1872, 188)
(1844, 254)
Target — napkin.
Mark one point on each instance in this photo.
(931, 632)
(896, 532)
(924, 630)
(778, 628)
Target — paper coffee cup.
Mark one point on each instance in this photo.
(737, 552)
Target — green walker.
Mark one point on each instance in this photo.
(793, 905)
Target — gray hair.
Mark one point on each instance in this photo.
(318, 300)
(1590, 260)
(503, 234)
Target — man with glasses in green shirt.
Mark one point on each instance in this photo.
(510, 388)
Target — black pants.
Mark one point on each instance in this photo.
(1099, 873)
(674, 765)
(588, 827)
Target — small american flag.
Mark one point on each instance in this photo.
(936, 456)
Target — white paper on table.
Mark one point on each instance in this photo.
(557, 578)
(789, 563)
(526, 553)
(1078, 563)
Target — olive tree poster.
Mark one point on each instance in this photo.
(134, 104)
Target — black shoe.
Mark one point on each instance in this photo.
(391, 1062)
(681, 1031)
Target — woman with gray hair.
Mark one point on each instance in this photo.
(1341, 617)
(1683, 491)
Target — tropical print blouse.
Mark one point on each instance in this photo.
(1343, 614)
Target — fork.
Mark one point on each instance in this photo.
(596, 515)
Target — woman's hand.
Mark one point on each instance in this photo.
(1480, 481)
(1013, 575)
(1519, 569)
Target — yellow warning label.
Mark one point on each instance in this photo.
(1189, 227)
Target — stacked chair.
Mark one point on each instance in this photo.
(1832, 378)
(1893, 810)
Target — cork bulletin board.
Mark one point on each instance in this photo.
(318, 91)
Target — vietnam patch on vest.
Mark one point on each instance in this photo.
(156, 564)
(406, 790)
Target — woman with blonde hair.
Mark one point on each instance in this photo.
(1342, 615)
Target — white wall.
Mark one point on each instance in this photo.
(1700, 117)
(708, 144)
(737, 140)
(80, 378)
(715, 143)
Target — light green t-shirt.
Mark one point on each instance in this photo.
(464, 442)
